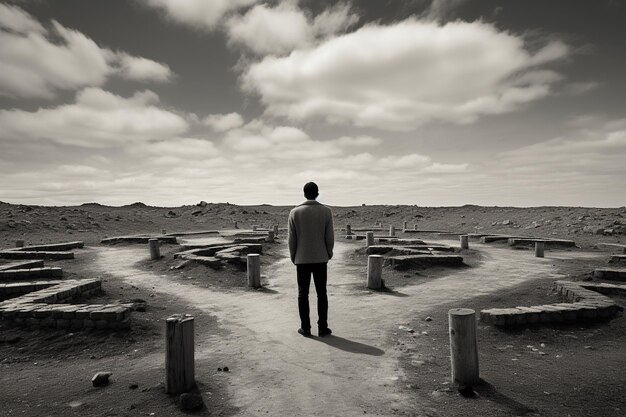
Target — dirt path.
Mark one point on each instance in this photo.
(274, 371)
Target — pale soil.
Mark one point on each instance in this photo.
(370, 365)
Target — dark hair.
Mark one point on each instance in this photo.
(311, 191)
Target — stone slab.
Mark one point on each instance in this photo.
(565, 243)
(138, 239)
(407, 261)
(610, 273)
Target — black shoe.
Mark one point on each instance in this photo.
(324, 332)
(305, 333)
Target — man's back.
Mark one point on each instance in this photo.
(311, 236)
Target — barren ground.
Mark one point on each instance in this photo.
(372, 365)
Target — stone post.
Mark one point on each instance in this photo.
(254, 228)
(270, 236)
(19, 243)
(179, 354)
(404, 226)
(275, 230)
(348, 230)
(463, 346)
(369, 239)
(155, 252)
(163, 231)
(415, 226)
(375, 272)
(392, 230)
(464, 241)
(254, 270)
(539, 248)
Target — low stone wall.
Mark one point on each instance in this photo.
(52, 247)
(46, 308)
(610, 273)
(36, 263)
(584, 305)
(53, 255)
(31, 273)
(140, 239)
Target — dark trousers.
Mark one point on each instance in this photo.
(319, 272)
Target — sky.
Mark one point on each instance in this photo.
(421, 102)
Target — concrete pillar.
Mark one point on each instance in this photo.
(464, 241)
(255, 228)
(163, 231)
(369, 239)
(392, 230)
(19, 243)
(348, 229)
(254, 270)
(415, 226)
(270, 236)
(179, 354)
(155, 252)
(236, 225)
(463, 346)
(375, 272)
(539, 248)
(404, 225)
(275, 230)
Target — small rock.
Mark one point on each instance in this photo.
(196, 212)
(226, 369)
(202, 204)
(219, 369)
(589, 347)
(133, 386)
(506, 222)
(190, 401)
(428, 318)
(100, 379)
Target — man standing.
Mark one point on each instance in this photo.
(311, 241)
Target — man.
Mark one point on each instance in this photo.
(311, 241)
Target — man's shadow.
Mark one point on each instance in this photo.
(349, 345)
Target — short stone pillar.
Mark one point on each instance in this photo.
(155, 251)
(539, 248)
(463, 347)
(275, 230)
(270, 236)
(404, 225)
(19, 243)
(255, 228)
(254, 270)
(375, 272)
(236, 226)
(464, 241)
(415, 226)
(369, 239)
(163, 231)
(179, 354)
(348, 229)
(392, 230)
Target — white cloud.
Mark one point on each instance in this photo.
(442, 9)
(97, 119)
(401, 76)
(223, 122)
(359, 141)
(201, 14)
(35, 62)
(16, 20)
(281, 29)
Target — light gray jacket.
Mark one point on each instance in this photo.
(311, 235)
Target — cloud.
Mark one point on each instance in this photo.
(359, 141)
(442, 9)
(401, 76)
(16, 20)
(200, 14)
(97, 119)
(36, 62)
(279, 30)
(223, 122)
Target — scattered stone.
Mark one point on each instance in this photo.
(133, 386)
(190, 401)
(196, 212)
(428, 318)
(202, 204)
(506, 222)
(100, 379)
(226, 369)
